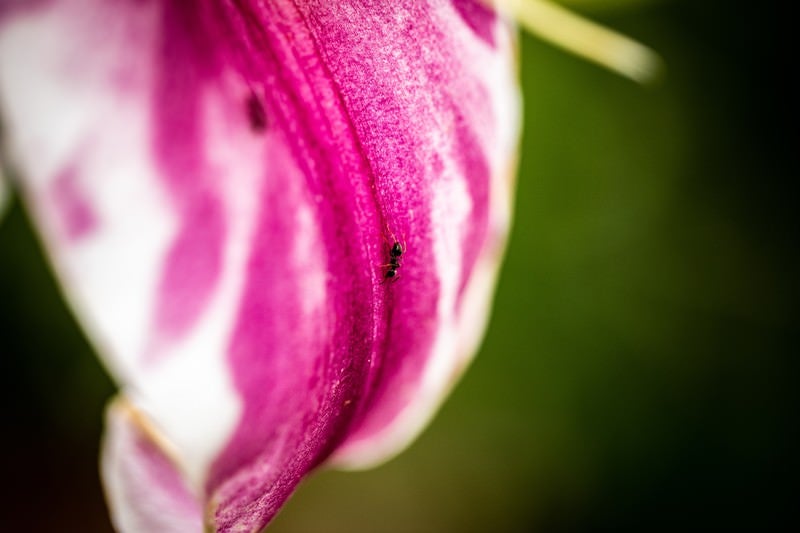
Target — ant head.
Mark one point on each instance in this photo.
(397, 249)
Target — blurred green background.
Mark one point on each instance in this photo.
(640, 367)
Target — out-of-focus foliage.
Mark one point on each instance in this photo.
(3, 193)
(638, 370)
(597, 5)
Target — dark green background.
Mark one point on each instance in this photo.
(639, 370)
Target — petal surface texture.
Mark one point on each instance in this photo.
(220, 186)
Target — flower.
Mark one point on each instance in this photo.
(226, 190)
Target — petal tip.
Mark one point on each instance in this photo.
(144, 487)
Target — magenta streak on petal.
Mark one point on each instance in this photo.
(300, 375)
(412, 323)
(476, 169)
(385, 129)
(192, 266)
(279, 356)
(391, 121)
(74, 210)
(478, 17)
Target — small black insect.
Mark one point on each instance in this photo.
(395, 253)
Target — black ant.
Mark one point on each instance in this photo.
(395, 252)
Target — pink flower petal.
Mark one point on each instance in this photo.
(136, 468)
(220, 185)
